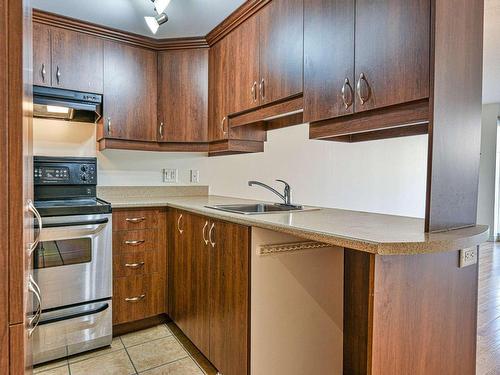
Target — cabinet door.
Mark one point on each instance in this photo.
(281, 50)
(190, 279)
(217, 87)
(183, 95)
(392, 52)
(130, 92)
(229, 322)
(328, 59)
(41, 55)
(77, 61)
(243, 66)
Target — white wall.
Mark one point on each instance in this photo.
(486, 197)
(381, 176)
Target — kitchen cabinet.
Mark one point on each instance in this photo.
(328, 59)
(183, 95)
(77, 61)
(42, 72)
(243, 66)
(229, 297)
(209, 288)
(218, 84)
(139, 264)
(281, 50)
(130, 92)
(391, 58)
(356, 62)
(191, 278)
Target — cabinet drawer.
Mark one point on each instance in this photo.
(135, 219)
(132, 240)
(138, 297)
(138, 262)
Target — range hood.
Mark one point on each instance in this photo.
(66, 105)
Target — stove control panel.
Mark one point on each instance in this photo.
(65, 171)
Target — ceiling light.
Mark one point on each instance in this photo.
(160, 5)
(155, 22)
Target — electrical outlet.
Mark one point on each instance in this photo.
(195, 176)
(468, 257)
(170, 175)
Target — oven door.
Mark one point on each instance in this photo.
(73, 261)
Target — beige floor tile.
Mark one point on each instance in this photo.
(64, 370)
(50, 365)
(156, 353)
(116, 363)
(145, 335)
(116, 344)
(184, 366)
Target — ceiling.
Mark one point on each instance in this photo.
(186, 17)
(491, 63)
(198, 17)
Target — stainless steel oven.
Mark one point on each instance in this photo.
(73, 268)
(73, 260)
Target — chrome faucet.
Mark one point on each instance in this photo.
(286, 196)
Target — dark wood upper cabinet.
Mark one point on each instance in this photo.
(130, 92)
(392, 50)
(183, 95)
(281, 50)
(41, 55)
(77, 61)
(229, 297)
(328, 59)
(217, 87)
(243, 66)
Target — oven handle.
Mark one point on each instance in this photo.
(77, 315)
(76, 223)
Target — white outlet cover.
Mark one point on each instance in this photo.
(468, 257)
(170, 175)
(195, 176)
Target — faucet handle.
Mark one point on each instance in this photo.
(287, 186)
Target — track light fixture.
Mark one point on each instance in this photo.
(160, 5)
(155, 22)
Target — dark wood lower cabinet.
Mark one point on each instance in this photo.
(210, 289)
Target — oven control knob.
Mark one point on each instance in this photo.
(84, 168)
(83, 176)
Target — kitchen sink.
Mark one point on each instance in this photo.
(256, 208)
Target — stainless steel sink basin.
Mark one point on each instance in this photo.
(256, 208)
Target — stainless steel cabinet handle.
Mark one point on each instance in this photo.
(135, 220)
(135, 299)
(363, 99)
(347, 101)
(43, 72)
(204, 237)
(58, 75)
(32, 209)
(224, 132)
(160, 130)
(134, 242)
(262, 88)
(134, 265)
(179, 224)
(254, 91)
(108, 124)
(212, 227)
(33, 322)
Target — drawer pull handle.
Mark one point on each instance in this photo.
(135, 220)
(135, 299)
(134, 265)
(135, 242)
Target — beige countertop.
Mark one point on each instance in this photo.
(370, 232)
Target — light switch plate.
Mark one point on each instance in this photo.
(468, 257)
(170, 175)
(195, 176)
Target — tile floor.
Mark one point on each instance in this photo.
(153, 351)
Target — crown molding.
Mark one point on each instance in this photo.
(69, 23)
(245, 11)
